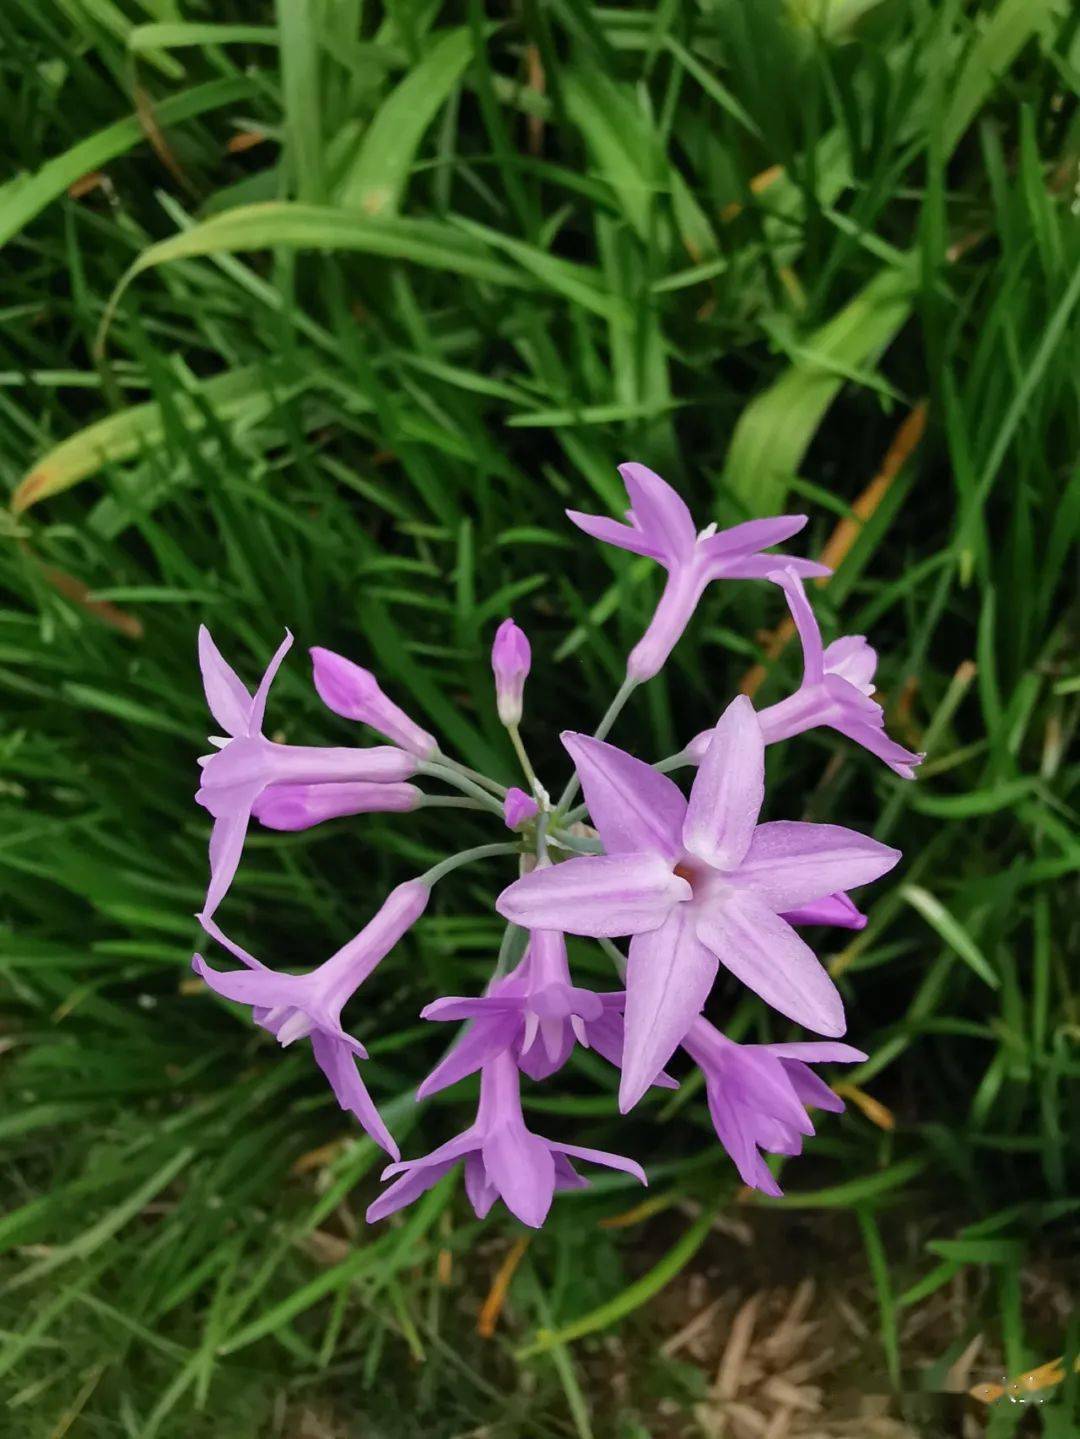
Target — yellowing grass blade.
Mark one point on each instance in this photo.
(121, 436)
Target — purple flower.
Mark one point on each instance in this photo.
(503, 1159)
(536, 1012)
(246, 763)
(758, 1094)
(295, 1006)
(518, 808)
(836, 909)
(697, 883)
(354, 692)
(511, 660)
(660, 526)
(299, 806)
(836, 689)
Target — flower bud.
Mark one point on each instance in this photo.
(518, 807)
(511, 659)
(354, 692)
(300, 806)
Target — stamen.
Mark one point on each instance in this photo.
(297, 1026)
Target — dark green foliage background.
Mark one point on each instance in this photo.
(470, 297)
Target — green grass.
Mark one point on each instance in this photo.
(360, 411)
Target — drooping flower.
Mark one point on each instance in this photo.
(697, 883)
(300, 806)
(660, 526)
(354, 693)
(518, 807)
(536, 1012)
(836, 690)
(511, 660)
(247, 763)
(295, 1006)
(503, 1158)
(758, 1095)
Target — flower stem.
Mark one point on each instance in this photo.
(497, 789)
(673, 761)
(611, 714)
(450, 801)
(466, 856)
(523, 756)
(616, 956)
(577, 844)
(437, 769)
(510, 940)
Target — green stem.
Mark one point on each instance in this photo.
(438, 770)
(673, 761)
(450, 801)
(502, 964)
(497, 789)
(579, 844)
(466, 856)
(616, 956)
(522, 754)
(611, 714)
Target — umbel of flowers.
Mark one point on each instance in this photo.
(694, 880)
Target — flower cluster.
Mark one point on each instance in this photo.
(694, 880)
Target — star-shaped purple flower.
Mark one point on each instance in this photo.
(836, 690)
(697, 883)
(295, 1006)
(503, 1158)
(536, 1012)
(758, 1095)
(661, 526)
(246, 763)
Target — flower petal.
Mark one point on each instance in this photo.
(811, 1088)
(482, 1041)
(601, 1156)
(263, 987)
(769, 957)
(464, 1143)
(674, 611)
(482, 1194)
(300, 806)
(611, 532)
(791, 863)
(812, 1051)
(635, 809)
(854, 660)
(338, 1062)
(418, 1179)
(873, 738)
(668, 978)
(762, 567)
(521, 1167)
(734, 1132)
(729, 789)
(483, 1006)
(226, 694)
(606, 1037)
(835, 909)
(597, 895)
(660, 510)
(805, 622)
(566, 1176)
(751, 536)
(258, 706)
(226, 847)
